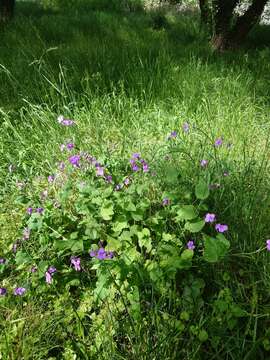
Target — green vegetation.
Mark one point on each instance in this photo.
(166, 284)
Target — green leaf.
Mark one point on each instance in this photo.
(42, 267)
(203, 336)
(120, 224)
(145, 239)
(129, 206)
(22, 258)
(72, 245)
(106, 212)
(195, 226)
(202, 190)
(215, 248)
(186, 212)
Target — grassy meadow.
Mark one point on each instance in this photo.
(129, 79)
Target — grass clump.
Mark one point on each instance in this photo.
(115, 224)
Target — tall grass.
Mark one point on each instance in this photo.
(128, 86)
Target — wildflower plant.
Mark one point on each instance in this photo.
(113, 231)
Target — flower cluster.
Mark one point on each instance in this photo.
(137, 163)
(19, 291)
(172, 135)
(210, 218)
(190, 245)
(75, 160)
(101, 254)
(38, 210)
(68, 146)
(65, 122)
(76, 262)
(49, 273)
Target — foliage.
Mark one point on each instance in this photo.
(167, 284)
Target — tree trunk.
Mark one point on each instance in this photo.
(205, 12)
(223, 17)
(6, 9)
(245, 23)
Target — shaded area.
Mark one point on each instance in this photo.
(98, 51)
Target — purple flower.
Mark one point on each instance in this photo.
(126, 181)
(26, 234)
(185, 127)
(204, 163)
(190, 245)
(172, 135)
(39, 210)
(108, 178)
(110, 255)
(100, 171)
(2, 261)
(34, 269)
(74, 160)
(93, 253)
(70, 146)
(19, 291)
(218, 142)
(51, 270)
(61, 166)
(145, 167)
(118, 187)
(51, 178)
(29, 210)
(65, 122)
(209, 218)
(3, 291)
(268, 245)
(102, 254)
(76, 262)
(226, 173)
(136, 156)
(166, 201)
(221, 228)
(135, 168)
(48, 275)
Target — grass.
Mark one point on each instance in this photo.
(128, 85)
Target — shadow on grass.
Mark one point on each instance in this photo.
(105, 48)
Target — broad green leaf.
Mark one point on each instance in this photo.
(145, 239)
(202, 190)
(119, 226)
(215, 248)
(186, 212)
(72, 245)
(106, 212)
(203, 336)
(22, 258)
(129, 206)
(195, 226)
(42, 267)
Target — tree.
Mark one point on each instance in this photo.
(6, 9)
(229, 30)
